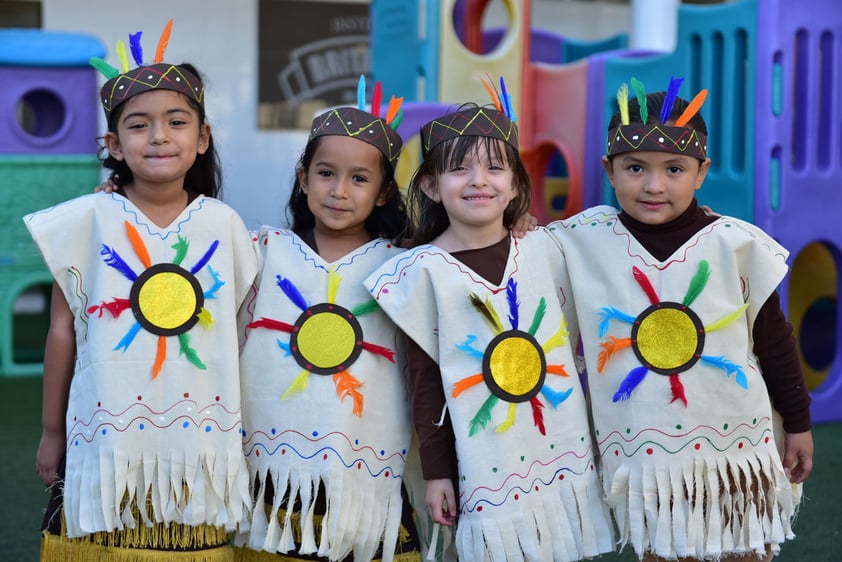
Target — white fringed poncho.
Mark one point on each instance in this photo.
(528, 486)
(314, 413)
(151, 418)
(684, 423)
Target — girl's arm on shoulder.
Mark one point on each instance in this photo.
(59, 358)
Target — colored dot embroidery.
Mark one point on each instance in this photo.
(649, 451)
(185, 424)
(207, 429)
(142, 426)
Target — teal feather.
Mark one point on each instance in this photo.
(483, 416)
(729, 367)
(539, 316)
(217, 284)
(285, 347)
(361, 93)
(609, 313)
(104, 68)
(640, 93)
(128, 338)
(468, 347)
(555, 398)
(190, 353)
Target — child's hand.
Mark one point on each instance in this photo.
(441, 501)
(708, 211)
(50, 451)
(107, 186)
(798, 456)
(524, 224)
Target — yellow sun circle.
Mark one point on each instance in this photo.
(326, 340)
(167, 300)
(516, 365)
(667, 338)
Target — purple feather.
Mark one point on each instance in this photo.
(206, 258)
(669, 99)
(136, 47)
(511, 297)
(291, 291)
(113, 259)
(629, 383)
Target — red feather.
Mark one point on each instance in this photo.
(115, 307)
(380, 350)
(271, 325)
(376, 96)
(644, 283)
(677, 390)
(538, 415)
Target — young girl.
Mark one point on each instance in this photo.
(325, 400)
(141, 386)
(511, 461)
(685, 342)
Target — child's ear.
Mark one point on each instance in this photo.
(608, 164)
(204, 138)
(112, 144)
(428, 187)
(302, 179)
(703, 172)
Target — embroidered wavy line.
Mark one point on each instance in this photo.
(693, 442)
(152, 412)
(380, 456)
(359, 462)
(685, 434)
(97, 431)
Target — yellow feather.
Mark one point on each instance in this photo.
(298, 385)
(333, 281)
(722, 322)
(509, 421)
(205, 318)
(623, 102)
(121, 53)
(559, 338)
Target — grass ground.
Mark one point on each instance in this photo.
(22, 497)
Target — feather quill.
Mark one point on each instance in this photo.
(138, 245)
(190, 353)
(113, 259)
(487, 312)
(539, 316)
(180, 247)
(692, 109)
(376, 96)
(677, 389)
(483, 415)
(511, 298)
(292, 292)
(623, 103)
(160, 356)
(121, 54)
(104, 68)
(640, 93)
(555, 397)
(510, 419)
(697, 284)
(537, 414)
(669, 99)
(163, 43)
(206, 258)
(634, 378)
(299, 384)
(136, 47)
(646, 285)
(361, 93)
(722, 322)
(462, 385)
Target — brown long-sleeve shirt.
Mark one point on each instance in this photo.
(774, 346)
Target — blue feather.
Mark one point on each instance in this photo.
(669, 99)
(361, 93)
(128, 338)
(729, 367)
(634, 378)
(206, 258)
(217, 284)
(609, 313)
(506, 99)
(285, 347)
(136, 47)
(555, 398)
(292, 292)
(468, 348)
(113, 259)
(511, 297)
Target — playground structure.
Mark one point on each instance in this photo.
(48, 154)
(772, 68)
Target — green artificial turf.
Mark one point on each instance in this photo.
(819, 523)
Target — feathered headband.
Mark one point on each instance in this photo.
(498, 123)
(123, 84)
(357, 123)
(660, 137)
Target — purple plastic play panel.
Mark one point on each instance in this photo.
(416, 114)
(798, 162)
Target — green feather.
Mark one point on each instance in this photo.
(483, 416)
(104, 68)
(640, 93)
(697, 284)
(365, 308)
(189, 352)
(539, 316)
(180, 248)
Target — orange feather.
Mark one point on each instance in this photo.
(392, 110)
(461, 386)
(138, 245)
(609, 348)
(557, 370)
(493, 94)
(693, 108)
(159, 357)
(163, 42)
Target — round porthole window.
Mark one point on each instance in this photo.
(41, 113)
